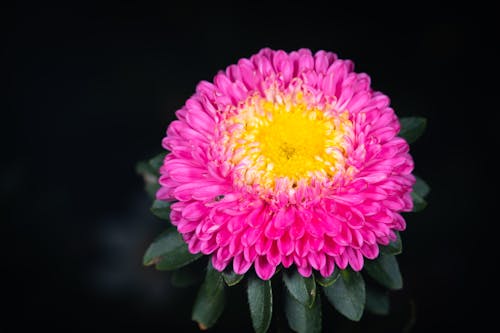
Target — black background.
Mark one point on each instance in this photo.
(89, 90)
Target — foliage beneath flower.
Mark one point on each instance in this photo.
(210, 302)
(260, 300)
(347, 294)
(302, 318)
(385, 270)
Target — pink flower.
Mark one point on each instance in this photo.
(287, 159)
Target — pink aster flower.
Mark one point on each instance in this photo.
(287, 158)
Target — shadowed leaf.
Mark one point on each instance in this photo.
(184, 277)
(302, 318)
(377, 301)
(419, 203)
(169, 251)
(421, 187)
(412, 128)
(301, 288)
(161, 209)
(347, 294)
(260, 300)
(210, 301)
(385, 270)
(231, 278)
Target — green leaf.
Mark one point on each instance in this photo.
(231, 278)
(412, 128)
(385, 270)
(209, 303)
(260, 300)
(302, 318)
(157, 161)
(151, 189)
(169, 251)
(161, 209)
(143, 167)
(149, 170)
(419, 203)
(394, 247)
(328, 281)
(184, 277)
(421, 187)
(301, 288)
(348, 295)
(377, 300)
(150, 177)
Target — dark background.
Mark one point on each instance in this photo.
(89, 90)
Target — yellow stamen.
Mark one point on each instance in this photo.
(287, 140)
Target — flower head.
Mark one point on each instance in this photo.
(287, 159)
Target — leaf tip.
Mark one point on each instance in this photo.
(202, 326)
(152, 261)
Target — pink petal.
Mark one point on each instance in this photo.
(210, 192)
(248, 73)
(285, 244)
(370, 251)
(185, 226)
(284, 218)
(272, 232)
(331, 247)
(263, 245)
(198, 119)
(297, 229)
(274, 256)
(219, 264)
(317, 260)
(321, 62)
(305, 63)
(194, 211)
(357, 238)
(186, 174)
(241, 265)
(249, 253)
(235, 247)
(223, 254)
(236, 224)
(302, 247)
(341, 261)
(263, 268)
(194, 245)
(223, 237)
(399, 222)
(316, 244)
(250, 236)
(328, 267)
(305, 270)
(287, 261)
(355, 258)
(208, 246)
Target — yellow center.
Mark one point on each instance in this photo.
(293, 142)
(288, 140)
